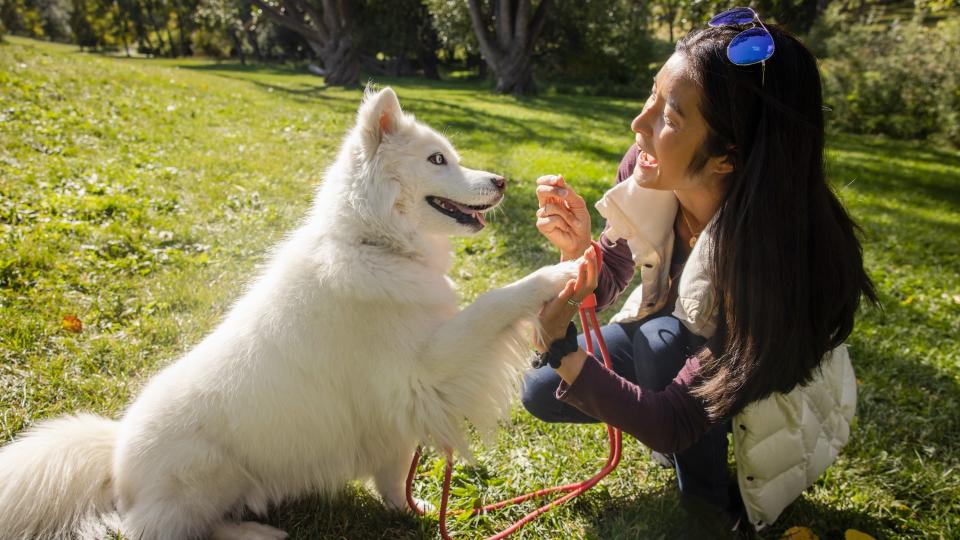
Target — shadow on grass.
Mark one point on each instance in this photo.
(445, 113)
(832, 522)
(353, 513)
(662, 515)
(249, 69)
(876, 166)
(648, 515)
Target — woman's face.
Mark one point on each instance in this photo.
(669, 131)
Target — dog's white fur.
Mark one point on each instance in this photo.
(342, 355)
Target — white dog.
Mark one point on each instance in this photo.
(348, 350)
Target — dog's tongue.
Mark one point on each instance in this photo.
(470, 211)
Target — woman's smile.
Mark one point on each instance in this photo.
(645, 160)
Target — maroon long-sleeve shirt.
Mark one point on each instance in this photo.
(618, 267)
(667, 421)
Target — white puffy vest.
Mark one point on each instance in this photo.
(783, 443)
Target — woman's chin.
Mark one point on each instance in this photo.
(646, 178)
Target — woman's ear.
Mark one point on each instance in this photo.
(722, 165)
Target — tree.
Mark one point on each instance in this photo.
(398, 36)
(508, 48)
(328, 31)
(56, 19)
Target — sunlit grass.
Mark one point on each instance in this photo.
(140, 195)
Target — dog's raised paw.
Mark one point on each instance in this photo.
(551, 279)
(247, 530)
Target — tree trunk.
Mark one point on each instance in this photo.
(156, 29)
(430, 64)
(174, 50)
(509, 51)
(140, 27)
(238, 43)
(182, 22)
(516, 76)
(123, 28)
(427, 49)
(329, 34)
(340, 65)
(252, 39)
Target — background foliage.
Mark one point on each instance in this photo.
(890, 66)
(900, 77)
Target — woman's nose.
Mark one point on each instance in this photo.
(640, 124)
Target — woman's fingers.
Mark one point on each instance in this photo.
(551, 180)
(568, 291)
(547, 193)
(593, 270)
(553, 224)
(566, 215)
(586, 274)
(581, 279)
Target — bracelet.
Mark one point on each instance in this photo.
(558, 349)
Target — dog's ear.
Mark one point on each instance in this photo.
(380, 115)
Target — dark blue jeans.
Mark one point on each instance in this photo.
(649, 353)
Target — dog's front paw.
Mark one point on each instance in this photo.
(423, 507)
(550, 280)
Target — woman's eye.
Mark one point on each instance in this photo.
(437, 159)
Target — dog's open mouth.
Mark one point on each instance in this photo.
(464, 213)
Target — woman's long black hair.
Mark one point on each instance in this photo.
(788, 267)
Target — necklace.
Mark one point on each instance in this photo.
(693, 235)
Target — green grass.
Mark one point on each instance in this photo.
(140, 195)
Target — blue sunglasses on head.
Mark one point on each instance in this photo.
(753, 45)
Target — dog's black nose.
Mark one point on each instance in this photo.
(500, 182)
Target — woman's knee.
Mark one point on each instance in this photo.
(539, 393)
(659, 351)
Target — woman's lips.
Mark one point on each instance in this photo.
(646, 161)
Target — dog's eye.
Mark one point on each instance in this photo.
(437, 159)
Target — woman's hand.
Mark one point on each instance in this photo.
(562, 217)
(556, 314)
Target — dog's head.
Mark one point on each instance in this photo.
(411, 175)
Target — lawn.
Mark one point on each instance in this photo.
(140, 196)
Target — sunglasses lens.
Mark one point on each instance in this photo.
(732, 16)
(750, 46)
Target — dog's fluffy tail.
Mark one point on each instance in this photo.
(55, 477)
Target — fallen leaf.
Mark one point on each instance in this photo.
(853, 534)
(71, 323)
(798, 533)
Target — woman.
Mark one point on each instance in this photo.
(751, 274)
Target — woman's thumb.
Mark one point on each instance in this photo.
(568, 290)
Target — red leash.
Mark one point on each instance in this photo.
(588, 320)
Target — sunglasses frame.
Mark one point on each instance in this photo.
(756, 17)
